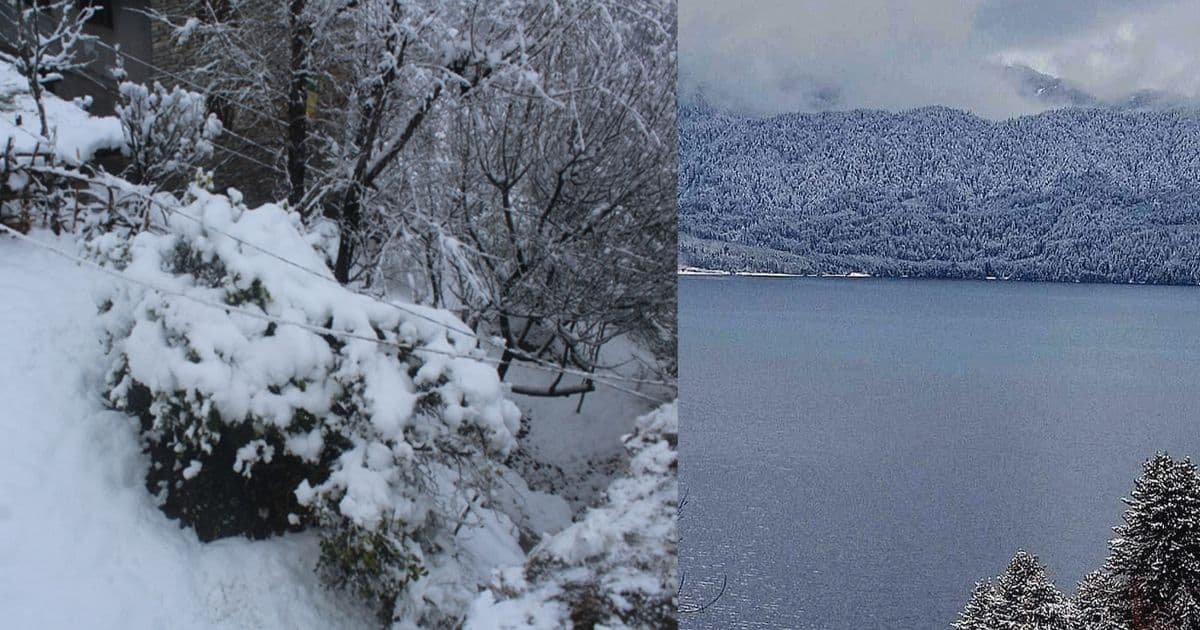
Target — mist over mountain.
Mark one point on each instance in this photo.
(1054, 91)
(1100, 194)
(1040, 91)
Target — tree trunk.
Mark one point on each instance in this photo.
(297, 119)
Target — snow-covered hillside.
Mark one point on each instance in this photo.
(1092, 195)
(203, 322)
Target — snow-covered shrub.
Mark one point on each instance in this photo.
(167, 132)
(386, 435)
(615, 567)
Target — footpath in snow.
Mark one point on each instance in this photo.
(82, 544)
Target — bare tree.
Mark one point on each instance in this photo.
(552, 201)
(513, 160)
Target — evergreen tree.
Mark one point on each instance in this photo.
(1155, 558)
(1029, 600)
(1022, 598)
(982, 611)
(1095, 606)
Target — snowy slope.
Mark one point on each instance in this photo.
(1077, 194)
(77, 135)
(575, 451)
(82, 544)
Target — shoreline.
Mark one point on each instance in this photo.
(697, 271)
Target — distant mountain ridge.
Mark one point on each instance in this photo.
(1099, 194)
(1057, 92)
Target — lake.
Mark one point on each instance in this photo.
(856, 454)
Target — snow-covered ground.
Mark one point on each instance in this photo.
(82, 544)
(77, 136)
(574, 450)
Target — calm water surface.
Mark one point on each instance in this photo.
(857, 453)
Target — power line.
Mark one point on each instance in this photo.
(183, 80)
(325, 277)
(280, 321)
(521, 357)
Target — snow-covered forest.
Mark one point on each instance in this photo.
(1149, 580)
(1077, 194)
(422, 375)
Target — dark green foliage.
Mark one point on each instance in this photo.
(1095, 606)
(218, 501)
(210, 271)
(255, 294)
(207, 270)
(368, 563)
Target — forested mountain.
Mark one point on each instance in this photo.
(1081, 194)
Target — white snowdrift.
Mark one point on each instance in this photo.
(618, 562)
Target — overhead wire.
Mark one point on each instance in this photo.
(329, 279)
(323, 330)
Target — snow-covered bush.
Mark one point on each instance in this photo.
(617, 565)
(167, 132)
(386, 432)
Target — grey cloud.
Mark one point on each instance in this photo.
(1156, 47)
(768, 56)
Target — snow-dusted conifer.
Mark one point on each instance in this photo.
(1023, 597)
(982, 610)
(1155, 557)
(1095, 605)
(1029, 599)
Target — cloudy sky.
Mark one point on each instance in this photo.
(769, 56)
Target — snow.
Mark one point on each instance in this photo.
(93, 548)
(576, 455)
(623, 550)
(77, 135)
(83, 544)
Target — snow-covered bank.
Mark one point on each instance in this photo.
(615, 567)
(258, 395)
(574, 450)
(77, 135)
(82, 544)
(696, 271)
